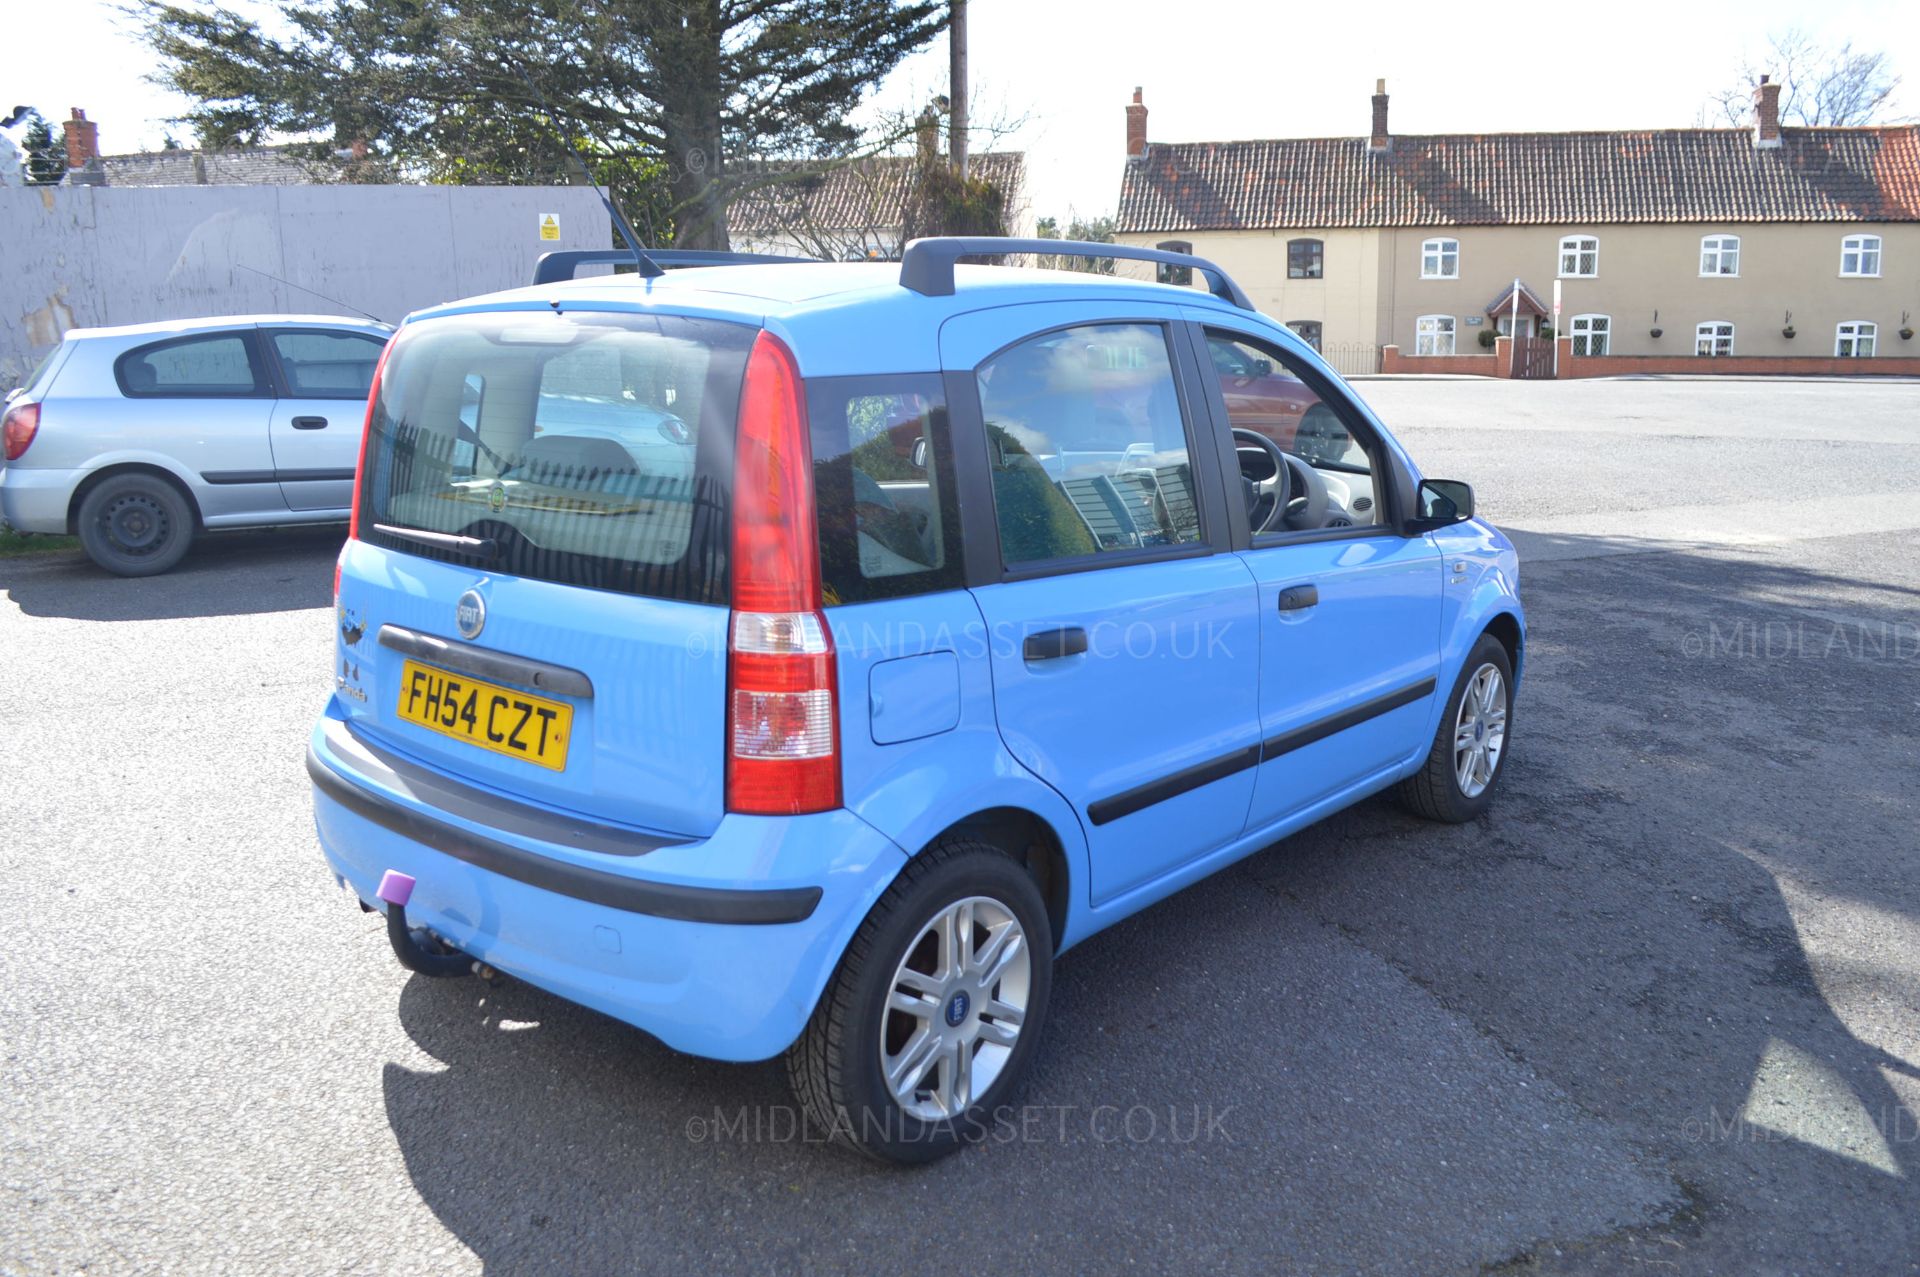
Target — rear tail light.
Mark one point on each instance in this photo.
(783, 736)
(22, 422)
(360, 467)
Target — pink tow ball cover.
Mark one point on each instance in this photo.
(396, 888)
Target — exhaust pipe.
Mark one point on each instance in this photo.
(416, 950)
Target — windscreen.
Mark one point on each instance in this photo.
(588, 449)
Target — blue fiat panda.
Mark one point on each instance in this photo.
(800, 658)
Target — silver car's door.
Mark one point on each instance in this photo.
(323, 376)
(203, 400)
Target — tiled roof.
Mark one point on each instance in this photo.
(254, 166)
(868, 194)
(1494, 179)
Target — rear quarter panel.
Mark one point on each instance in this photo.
(913, 789)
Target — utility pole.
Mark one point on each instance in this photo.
(957, 87)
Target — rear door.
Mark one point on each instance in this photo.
(539, 599)
(322, 378)
(1124, 645)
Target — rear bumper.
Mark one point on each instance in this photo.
(719, 947)
(36, 500)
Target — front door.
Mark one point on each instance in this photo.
(1124, 643)
(322, 406)
(1349, 608)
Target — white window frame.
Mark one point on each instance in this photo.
(1853, 334)
(1437, 256)
(1582, 327)
(1860, 248)
(1428, 331)
(1710, 330)
(1716, 253)
(1573, 248)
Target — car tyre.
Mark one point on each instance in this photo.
(944, 987)
(135, 525)
(1469, 753)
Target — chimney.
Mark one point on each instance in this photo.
(1766, 113)
(357, 148)
(83, 139)
(1380, 140)
(1136, 125)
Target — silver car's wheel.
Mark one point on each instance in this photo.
(1480, 731)
(134, 524)
(955, 1008)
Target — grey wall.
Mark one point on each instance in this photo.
(75, 257)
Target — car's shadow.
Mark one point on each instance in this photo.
(1589, 1013)
(224, 574)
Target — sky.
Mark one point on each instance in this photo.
(1057, 74)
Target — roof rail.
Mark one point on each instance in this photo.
(562, 263)
(927, 265)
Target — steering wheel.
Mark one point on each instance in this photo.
(1267, 499)
(1308, 509)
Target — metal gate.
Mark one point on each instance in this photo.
(1533, 358)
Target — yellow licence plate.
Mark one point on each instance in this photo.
(517, 724)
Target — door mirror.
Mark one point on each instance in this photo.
(1263, 367)
(1442, 502)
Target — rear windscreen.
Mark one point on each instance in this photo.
(588, 449)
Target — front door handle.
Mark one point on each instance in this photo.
(309, 423)
(1051, 645)
(1298, 597)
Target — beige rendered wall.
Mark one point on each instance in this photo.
(1345, 300)
(1373, 293)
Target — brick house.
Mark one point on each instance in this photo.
(1670, 246)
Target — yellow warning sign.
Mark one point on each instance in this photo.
(550, 226)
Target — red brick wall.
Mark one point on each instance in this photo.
(1572, 365)
(1391, 360)
(1499, 364)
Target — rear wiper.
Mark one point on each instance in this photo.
(478, 547)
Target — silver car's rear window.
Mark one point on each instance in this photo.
(590, 449)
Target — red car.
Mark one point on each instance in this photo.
(1262, 399)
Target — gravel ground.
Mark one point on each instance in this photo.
(1659, 1010)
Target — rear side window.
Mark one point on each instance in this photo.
(883, 487)
(1087, 444)
(590, 449)
(191, 367)
(327, 365)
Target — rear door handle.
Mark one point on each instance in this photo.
(1051, 645)
(309, 423)
(1297, 597)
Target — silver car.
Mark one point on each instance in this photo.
(137, 438)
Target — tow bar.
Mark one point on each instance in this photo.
(414, 946)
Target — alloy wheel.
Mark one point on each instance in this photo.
(955, 1008)
(1480, 731)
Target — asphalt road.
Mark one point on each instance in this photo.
(1658, 1011)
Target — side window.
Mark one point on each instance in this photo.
(882, 487)
(194, 367)
(1304, 259)
(1331, 472)
(1440, 259)
(327, 365)
(1167, 274)
(1087, 444)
